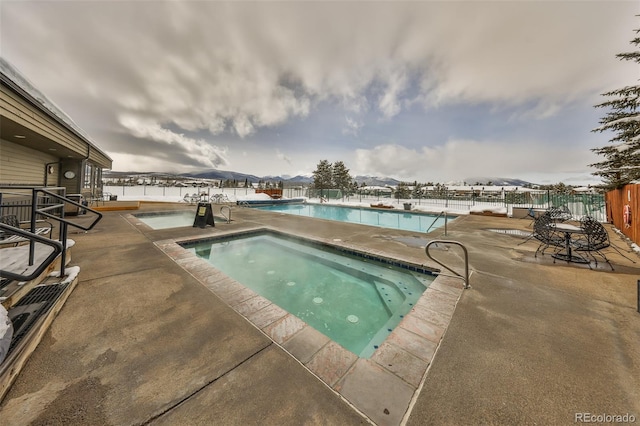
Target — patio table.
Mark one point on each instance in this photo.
(568, 229)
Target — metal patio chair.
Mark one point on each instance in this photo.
(7, 237)
(595, 238)
(543, 231)
(560, 214)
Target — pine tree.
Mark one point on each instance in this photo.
(622, 159)
(402, 191)
(323, 176)
(417, 190)
(341, 177)
(354, 187)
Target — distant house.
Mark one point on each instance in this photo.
(40, 145)
(376, 189)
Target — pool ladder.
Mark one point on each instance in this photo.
(464, 277)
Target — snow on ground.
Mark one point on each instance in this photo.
(422, 206)
(633, 245)
(250, 197)
(6, 332)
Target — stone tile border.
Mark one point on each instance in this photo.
(381, 387)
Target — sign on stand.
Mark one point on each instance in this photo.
(204, 216)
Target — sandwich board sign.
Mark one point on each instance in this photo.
(204, 216)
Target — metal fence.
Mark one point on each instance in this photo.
(579, 204)
(20, 204)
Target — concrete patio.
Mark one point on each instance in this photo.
(141, 340)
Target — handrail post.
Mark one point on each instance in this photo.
(63, 240)
(445, 223)
(32, 243)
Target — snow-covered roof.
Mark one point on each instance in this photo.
(13, 75)
(584, 189)
(485, 188)
(376, 188)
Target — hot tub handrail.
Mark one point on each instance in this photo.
(464, 277)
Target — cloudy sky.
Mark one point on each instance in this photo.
(425, 90)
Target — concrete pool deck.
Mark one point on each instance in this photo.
(141, 340)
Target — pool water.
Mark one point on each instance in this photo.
(405, 221)
(175, 219)
(356, 302)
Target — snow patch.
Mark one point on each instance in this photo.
(480, 209)
(71, 274)
(249, 197)
(6, 332)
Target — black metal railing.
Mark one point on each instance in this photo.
(45, 202)
(33, 238)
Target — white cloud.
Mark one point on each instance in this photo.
(457, 159)
(352, 126)
(234, 62)
(197, 149)
(143, 163)
(281, 156)
(389, 103)
(234, 69)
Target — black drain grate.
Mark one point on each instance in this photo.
(31, 307)
(4, 282)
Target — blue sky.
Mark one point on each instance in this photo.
(424, 90)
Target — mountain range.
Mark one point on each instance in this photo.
(241, 177)
(305, 179)
(497, 181)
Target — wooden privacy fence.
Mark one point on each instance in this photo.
(618, 200)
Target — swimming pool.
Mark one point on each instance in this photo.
(353, 298)
(402, 220)
(171, 219)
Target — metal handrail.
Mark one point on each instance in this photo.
(443, 212)
(464, 278)
(223, 215)
(44, 211)
(57, 249)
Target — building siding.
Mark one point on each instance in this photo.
(22, 113)
(25, 166)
